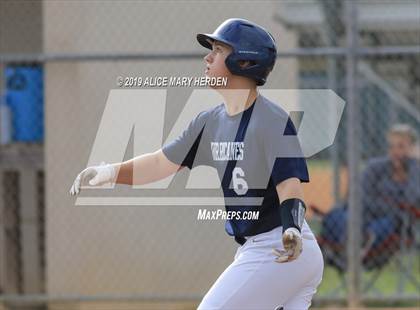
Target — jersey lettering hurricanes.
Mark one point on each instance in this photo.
(227, 150)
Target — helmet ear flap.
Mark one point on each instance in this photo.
(233, 63)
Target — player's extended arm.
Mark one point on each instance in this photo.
(293, 211)
(151, 167)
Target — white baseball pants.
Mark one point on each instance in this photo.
(255, 281)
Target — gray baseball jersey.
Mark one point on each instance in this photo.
(252, 152)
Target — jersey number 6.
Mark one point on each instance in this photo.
(239, 184)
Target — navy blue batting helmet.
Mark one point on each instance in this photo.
(249, 42)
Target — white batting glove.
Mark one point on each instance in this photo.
(292, 242)
(94, 176)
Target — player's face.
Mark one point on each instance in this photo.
(215, 60)
(399, 147)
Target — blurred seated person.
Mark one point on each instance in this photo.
(390, 189)
(391, 184)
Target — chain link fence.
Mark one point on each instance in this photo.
(58, 62)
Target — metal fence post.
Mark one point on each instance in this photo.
(353, 154)
(3, 248)
(30, 232)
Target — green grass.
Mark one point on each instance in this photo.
(318, 163)
(387, 284)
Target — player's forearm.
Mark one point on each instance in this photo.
(145, 163)
(143, 169)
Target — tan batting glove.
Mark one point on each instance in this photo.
(94, 176)
(292, 243)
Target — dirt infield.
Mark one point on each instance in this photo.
(319, 191)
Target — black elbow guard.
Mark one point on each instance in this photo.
(292, 213)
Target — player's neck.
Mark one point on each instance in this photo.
(238, 101)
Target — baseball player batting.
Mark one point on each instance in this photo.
(278, 264)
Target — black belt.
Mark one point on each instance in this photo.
(240, 240)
